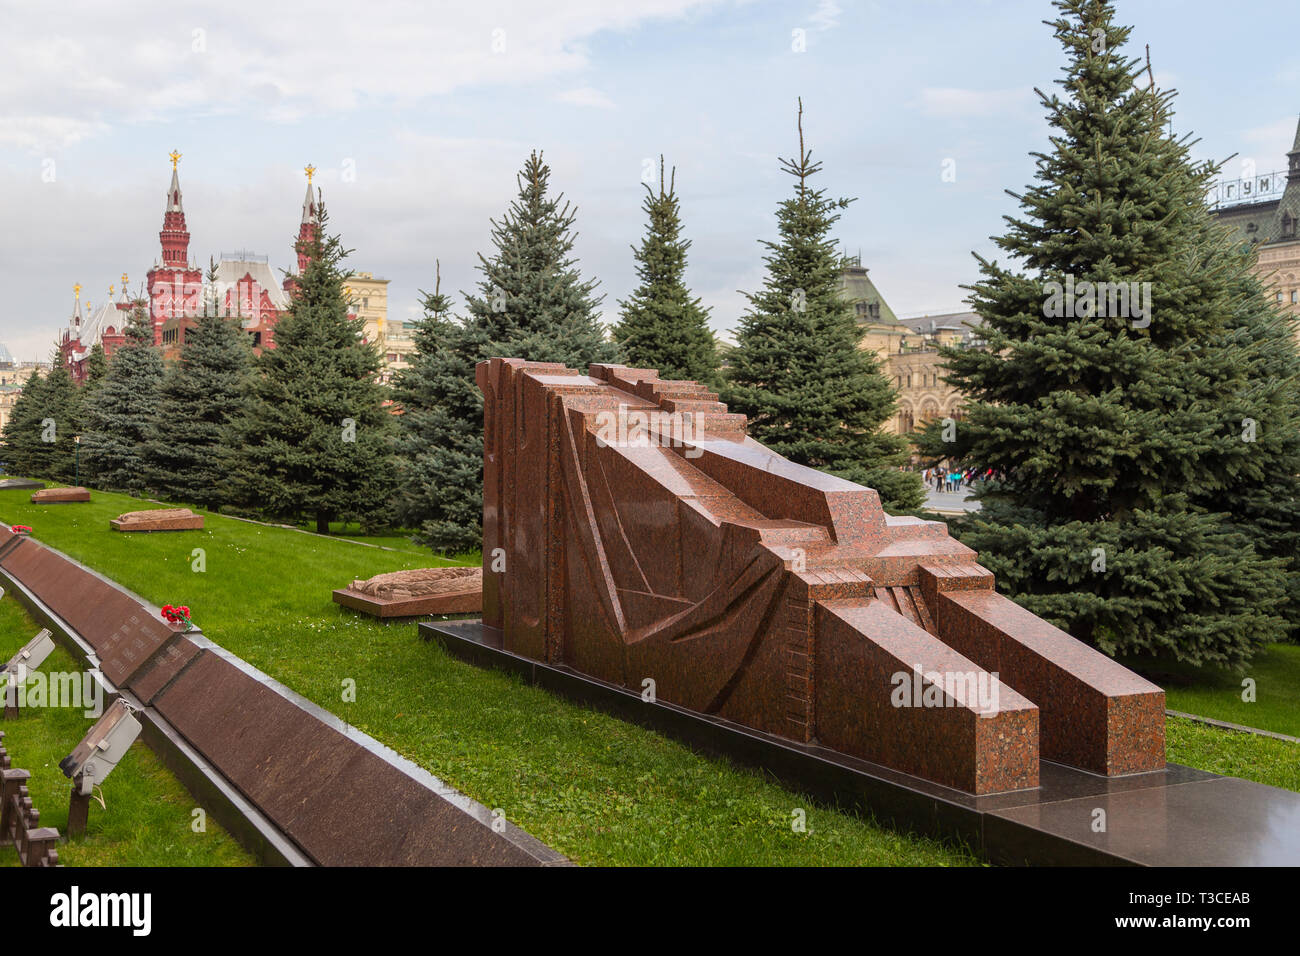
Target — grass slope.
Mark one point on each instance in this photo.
(596, 788)
(1213, 692)
(148, 817)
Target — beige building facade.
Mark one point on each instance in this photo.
(369, 297)
(908, 349)
(1271, 222)
(13, 376)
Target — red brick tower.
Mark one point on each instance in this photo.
(175, 285)
(307, 227)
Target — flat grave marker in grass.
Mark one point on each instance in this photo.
(55, 496)
(416, 593)
(158, 519)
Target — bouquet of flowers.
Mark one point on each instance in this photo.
(177, 615)
(20, 529)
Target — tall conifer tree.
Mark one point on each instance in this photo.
(61, 399)
(119, 412)
(798, 371)
(202, 396)
(23, 451)
(531, 303)
(315, 439)
(1115, 432)
(440, 443)
(663, 326)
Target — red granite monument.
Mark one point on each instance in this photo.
(634, 533)
(157, 519)
(416, 592)
(60, 495)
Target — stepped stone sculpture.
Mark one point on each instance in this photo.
(59, 495)
(416, 592)
(158, 519)
(634, 533)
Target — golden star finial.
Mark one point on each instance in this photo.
(110, 292)
(310, 170)
(76, 290)
(175, 158)
(125, 280)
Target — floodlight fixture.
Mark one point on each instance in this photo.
(31, 656)
(106, 743)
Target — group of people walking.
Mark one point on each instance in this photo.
(941, 479)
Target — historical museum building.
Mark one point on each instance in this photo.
(1265, 210)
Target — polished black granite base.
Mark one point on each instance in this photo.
(1178, 816)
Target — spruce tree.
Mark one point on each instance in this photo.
(24, 451)
(61, 399)
(1262, 495)
(662, 326)
(96, 365)
(314, 438)
(202, 395)
(120, 411)
(798, 371)
(440, 443)
(532, 304)
(1113, 433)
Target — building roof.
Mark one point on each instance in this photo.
(1274, 219)
(5, 357)
(96, 325)
(232, 268)
(857, 288)
(943, 321)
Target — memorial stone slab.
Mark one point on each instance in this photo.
(416, 592)
(157, 519)
(649, 542)
(50, 496)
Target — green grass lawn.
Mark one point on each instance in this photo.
(1262, 759)
(1213, 692)
(598, 789)
(147, 820)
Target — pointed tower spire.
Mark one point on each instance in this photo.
(309, 203)
(172, 285)
(175, 237)
(308, 223)
(1293, 170)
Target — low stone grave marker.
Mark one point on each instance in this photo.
(11, 484)
(416, 592)
(51, 496)
(158, 519)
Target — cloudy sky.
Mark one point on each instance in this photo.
(419, 114)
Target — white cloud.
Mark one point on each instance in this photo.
(1268, 145)
(284, 62)
(952, 102)
(826, 16)
(586, 96)
(42, 134)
